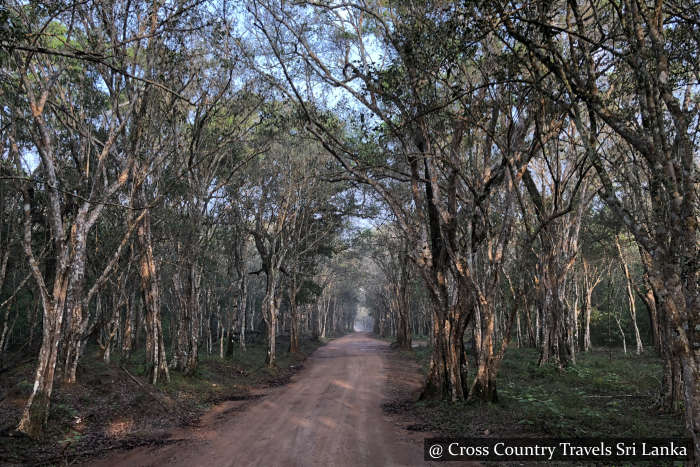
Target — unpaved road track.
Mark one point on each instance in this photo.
(329, 415)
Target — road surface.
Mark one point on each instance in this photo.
(329, 415)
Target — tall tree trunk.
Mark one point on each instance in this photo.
(556, 345)
(188, 323)
(129, 325)
(591, 278)
(221, 329)
(242, 310)
(269, 311)
(552, 325)
(587, 321)
(531, 331)
(622, 334)
(575, 317)
(446, 376)
(403, 324)
(630, 298)
(293, 317)
(75, 308)
(112, 326)
(315, 319)
(673, 381)
(484, 385)
(293, 329)
(156, 364)
(650, 301)
(36, 410)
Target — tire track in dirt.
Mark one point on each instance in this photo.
(330, 414)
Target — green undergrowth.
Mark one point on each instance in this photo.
(598, 397)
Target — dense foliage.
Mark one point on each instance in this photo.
(176, 175)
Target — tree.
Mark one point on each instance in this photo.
(295, 213)
(79, 168)
(391, 257)
(442, 131)
(615, 61)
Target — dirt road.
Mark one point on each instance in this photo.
(329, 415)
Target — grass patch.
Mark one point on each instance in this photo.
(598, 397)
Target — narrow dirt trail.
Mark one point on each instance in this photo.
(329, 415)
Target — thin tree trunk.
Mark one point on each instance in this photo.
(269, 311)
(242, 311)
(650, 300)
(630, 298)
(188, 323)
(403, 325)
(129, 325)
(220, 330)
(111, 328)
(293, 317)
(587, 322)
(622, 334)
(156, 364)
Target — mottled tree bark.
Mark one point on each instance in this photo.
(447, 378)
(270, 308)
(156, 364)
(36, 410)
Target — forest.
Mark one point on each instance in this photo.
(185, 182)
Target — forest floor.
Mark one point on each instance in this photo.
(352, 402)
(606, 394)
(112, 406)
